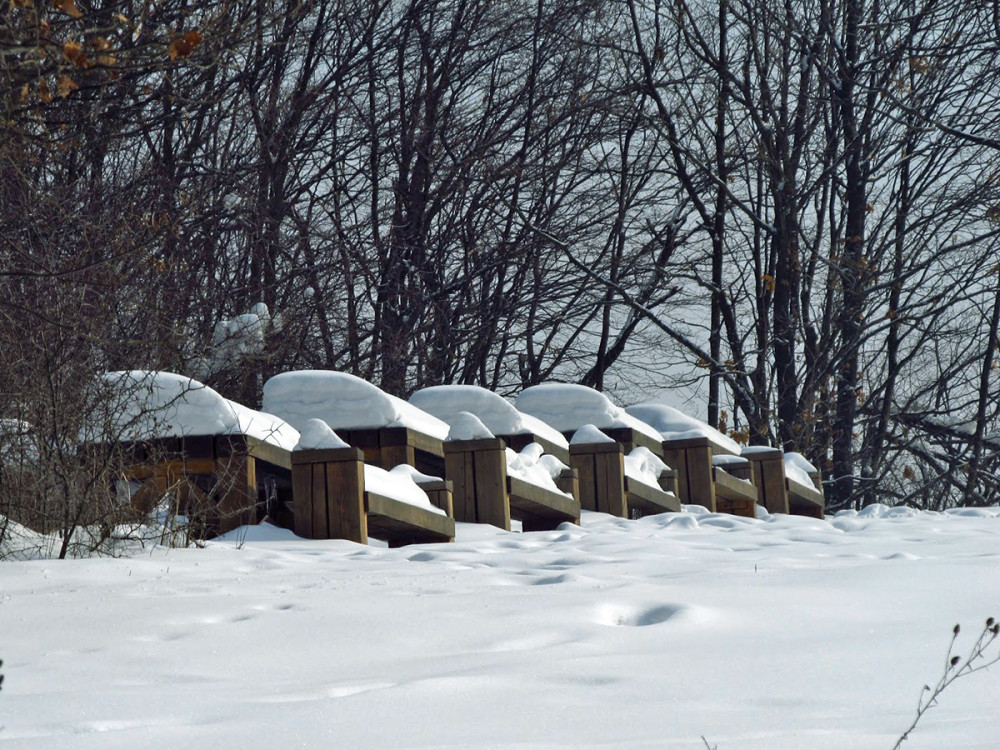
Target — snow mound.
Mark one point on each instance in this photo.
(398, 484)
(146, 405)
(496, 412)
(317, 435)
(589, 434)
(536, 467)
(642, 465)
(567, 407)
(467, 426)
(798, 468)
(673, 424)
(344, 402)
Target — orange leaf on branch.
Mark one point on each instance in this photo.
(65, 86)
(68, 7)
(183, 45)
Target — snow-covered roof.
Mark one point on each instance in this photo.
(674, 424)
(567, 407)
(344, 402)
(148, 404)
(499, 415)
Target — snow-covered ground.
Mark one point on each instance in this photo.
(782, 633)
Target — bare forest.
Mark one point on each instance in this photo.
(795, 204)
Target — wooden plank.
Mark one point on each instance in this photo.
(631, 438)
(692, 459)
(609, 470)
(236, 488)
(302, 501)
(649, 500)
(538, 508)
(401, 523)
(492, 506)
(519, 441)
(769, 478)
(728, 487)
(440, 493)
(318, 511)
(583, 464)
(804, 500)
(459, 470)
(345, 482)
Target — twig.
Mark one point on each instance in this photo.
(954, 668)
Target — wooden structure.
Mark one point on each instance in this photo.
(387, 447)
(485, 493)
(331, 502)
(521, 440)
(780, 493)
(606, 488)
(220, 482)
(701, 482)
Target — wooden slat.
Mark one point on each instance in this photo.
(519, 441)
(401, 523)
(302, 502)
(804, 500)
(692, 459)
(345, 482)
(583, 464)
(631, 438)
(491, 487)
(769, 478)
(540, 508)
(649, 500)
(609, 470)
(318, 511)
(734, 496)
(236, 488)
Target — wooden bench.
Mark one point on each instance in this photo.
(387, 447)
(331, 502)
(780, 493)
(220, 482)
(484, 493)
(701, 482)
(606, 488)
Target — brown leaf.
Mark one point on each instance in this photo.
(43, 91)
(182, 46)
(65, 86)
(68, 7)
(72, 50)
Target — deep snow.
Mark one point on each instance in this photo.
(781, 633)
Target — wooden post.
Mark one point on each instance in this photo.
(329, 494)
(768, 466)
(440, 493)
(569, 481)
(691, 458)
(478, 472)
(601, 468)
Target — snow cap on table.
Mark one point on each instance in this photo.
(589, 434)
(148, 404)
(343, 401)
(673, 424)
(499, 415)
(799, 468)
(536, 467)
(398, 484)
(567, 407)
(317, 435)
(467, 426)
(644, 466)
